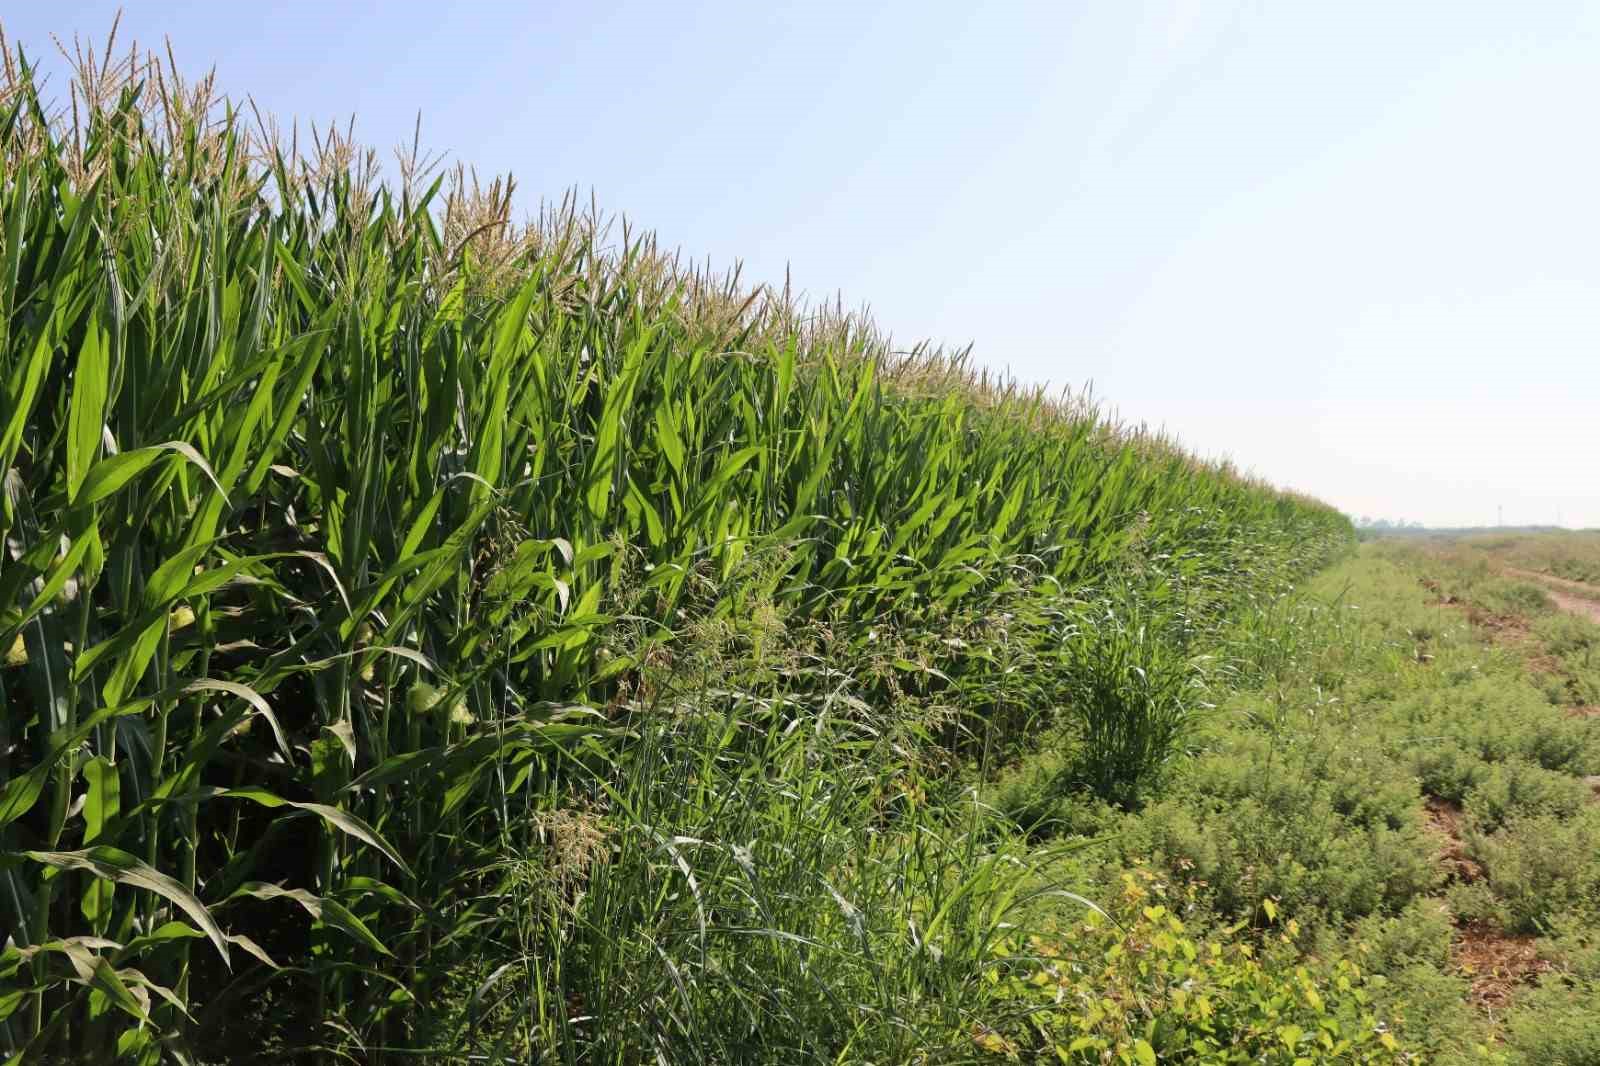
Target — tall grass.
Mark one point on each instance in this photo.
(358, 545)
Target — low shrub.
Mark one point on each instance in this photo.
(1319, 866)
(1139, 985)
(1415, 986)
(1556, 1026)
(1042, 797)
(1518, 788)
(1536, 867)
(1447, 770)
(1568, 636)
(1507, 596)
(1491, 719)
(1429, 1009)
(1419, 932)
(1352, 777)
(1556, 1022)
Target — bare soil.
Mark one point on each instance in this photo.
(1497, 963)
(1494, 961)
(1444, 821)
(1572, 596)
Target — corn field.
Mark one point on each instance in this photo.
(346, 522)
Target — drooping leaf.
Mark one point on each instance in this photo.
(340, 819)
(116, 865)
(322, 909)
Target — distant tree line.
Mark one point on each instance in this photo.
(1384, 525)
(1370, 528)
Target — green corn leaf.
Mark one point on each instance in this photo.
(328, 911)
(90, 382)
(115, 865)
(108, 980)
(22, 792)
(102, 802)
(109, 475)
(667, 438)
(19, 392)
(340, 819)
(166, 933)
(253, 698)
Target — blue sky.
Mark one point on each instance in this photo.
(1353, 246)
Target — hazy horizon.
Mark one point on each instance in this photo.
(1350, 247)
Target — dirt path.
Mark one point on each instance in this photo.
(1572, 596)
(1496, 963)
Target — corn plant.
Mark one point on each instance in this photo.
(320, 493)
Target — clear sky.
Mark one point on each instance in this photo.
(1354, 246)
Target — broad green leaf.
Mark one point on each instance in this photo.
(334, 816)
(113, 864)
(113, 472)
(329, 911)
(108, 980)
(667, 438)
(102, 802)
(253, 698)
(86, 416)
(19, 392)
